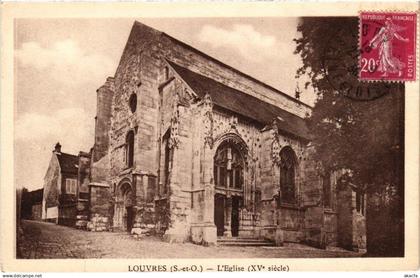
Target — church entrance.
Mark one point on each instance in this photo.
(228, 167)
(219, 213)
(124, 213)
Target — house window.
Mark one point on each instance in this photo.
(71, 185)
(287, 175)
(129, 144)
(326, 186)
(228, 167)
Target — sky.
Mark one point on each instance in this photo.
(59, 64)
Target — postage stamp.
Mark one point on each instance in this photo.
(388, 46)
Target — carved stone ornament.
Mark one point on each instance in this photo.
(174, 140)
(208, 120)
(207, 103)
(233, 123)
(275, 146)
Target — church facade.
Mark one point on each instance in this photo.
(193, 149)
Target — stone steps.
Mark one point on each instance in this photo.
(244, 242)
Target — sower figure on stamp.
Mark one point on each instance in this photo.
(387, 62)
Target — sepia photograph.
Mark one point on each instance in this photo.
(213, 137)
(168, 144)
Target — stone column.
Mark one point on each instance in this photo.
(279, 235)
(228, 216)
(209, 228)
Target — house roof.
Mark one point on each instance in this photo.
(243, 104)
(68, 163)
(36, 195)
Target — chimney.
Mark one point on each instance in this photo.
(57, 148)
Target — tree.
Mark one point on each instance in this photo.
(356, 125)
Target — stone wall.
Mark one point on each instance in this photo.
(82, 206)
(177, 118)
(100, 170)
(103, 119)
(291, 221)
(144, 220)
(99, 207)
(351, 228)
(281, 221)
(98, 223)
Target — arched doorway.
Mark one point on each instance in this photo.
(124, 208)
(229, 165)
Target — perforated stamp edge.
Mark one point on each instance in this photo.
(416, 46)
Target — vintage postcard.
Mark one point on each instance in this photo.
(209, 137)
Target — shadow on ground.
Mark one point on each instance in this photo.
(42, 240)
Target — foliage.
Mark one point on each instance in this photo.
(365, 137)
(359, 135)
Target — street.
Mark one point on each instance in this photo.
(46, 240)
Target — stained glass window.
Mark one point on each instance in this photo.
(228, 167)
(287, 175)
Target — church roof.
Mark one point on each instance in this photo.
(138, 27)
(243, 104)
(68, 163)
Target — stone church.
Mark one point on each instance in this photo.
(191, 148)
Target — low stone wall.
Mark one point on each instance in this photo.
(98, 223)
(141, 230)
(204, 234)
(81, 222)
(82, 216)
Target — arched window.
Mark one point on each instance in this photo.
(167, 159)
(132, 102)
(129, 144)
(287, 175)
(228, 167)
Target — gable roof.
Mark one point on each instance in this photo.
(243, 104)
(141, 26)
(68, 163)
